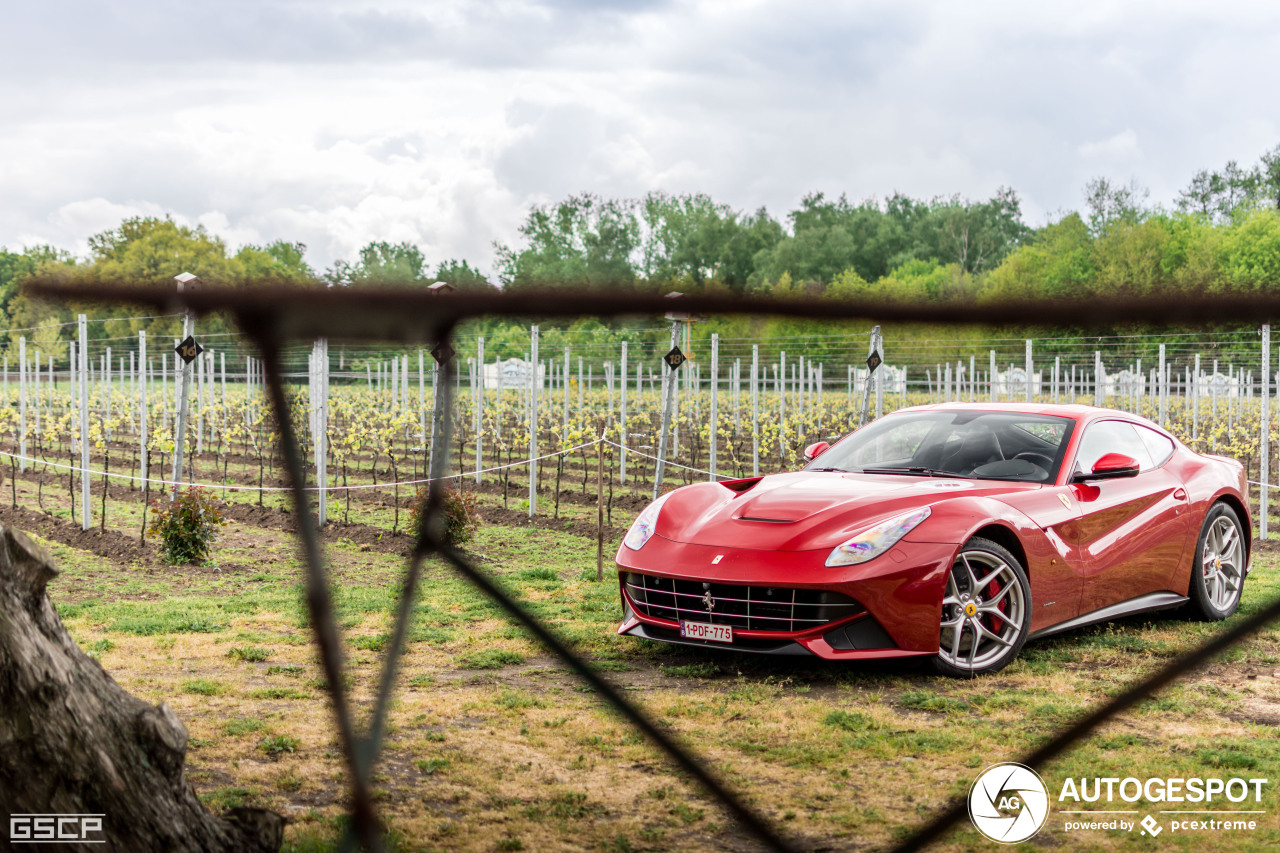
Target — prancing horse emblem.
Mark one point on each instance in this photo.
(709, 601)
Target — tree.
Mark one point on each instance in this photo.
(463, 277)
(978, 235)
(1269, 177)
(583, 241)
(687, 237)
(382, 263)
(1107, 203)
(147, 250)
(280, 262)
(1201, 195)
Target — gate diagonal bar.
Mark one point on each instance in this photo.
(270, 315)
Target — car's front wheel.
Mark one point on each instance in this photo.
(986, 611)
(1217, 577)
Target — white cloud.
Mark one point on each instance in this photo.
(1123, 146)
(336, 123)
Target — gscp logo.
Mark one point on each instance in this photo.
(56, 828)
(1008, 803)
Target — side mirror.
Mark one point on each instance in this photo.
(815, 450)
(1112, 466)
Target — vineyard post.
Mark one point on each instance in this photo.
(184, 394)
(22, 403)
(582, 387)
(715, 382)
(848, 375)
(755, 410)
(993, 376)
(1264, 453)
(782, 392)
(673, 448)
(1099, 393)
(1028, 369)
(1163, 389)
(142, 408)
(105, 383)
(565, 417)
(622, 419)
(801, 385)
(879, 392)
(875, 356)
(83, 353)
(737, 396)
(422, 393)
(477, 400)
(608, 392)
(668, 382)
(198, 367)
(600, 507)
(1195, 399)
(322, 430)
(533, 421)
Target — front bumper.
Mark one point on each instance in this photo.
(900, 594)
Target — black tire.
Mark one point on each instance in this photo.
(1218, 571)
(987, 600)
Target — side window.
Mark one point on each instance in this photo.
(1106, 437)
(1159, 446)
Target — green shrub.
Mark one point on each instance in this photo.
(253, 654)
(187, 525)
(461, 513)
(276, 745)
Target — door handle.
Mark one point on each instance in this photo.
(1179, 494)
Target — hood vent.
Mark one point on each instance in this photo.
(740, 486)
(768, 520)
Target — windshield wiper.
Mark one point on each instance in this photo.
(913, 471)
(828, 470)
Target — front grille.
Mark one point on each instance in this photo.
(749, 608)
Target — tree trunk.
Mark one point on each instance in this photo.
(72, 741)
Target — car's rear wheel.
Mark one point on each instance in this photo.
(986, 611)
(1217, 577)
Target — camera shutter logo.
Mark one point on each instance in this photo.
(1008, 803)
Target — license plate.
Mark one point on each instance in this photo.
(705, 631)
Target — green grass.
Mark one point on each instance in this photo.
(203, 687)
(490, 659)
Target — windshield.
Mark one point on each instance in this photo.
(981, 445)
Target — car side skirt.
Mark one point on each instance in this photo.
(1152, 601)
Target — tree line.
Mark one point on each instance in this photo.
(1222, 234)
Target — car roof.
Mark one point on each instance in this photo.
(1074, 411)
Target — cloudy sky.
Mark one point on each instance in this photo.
(336, 122)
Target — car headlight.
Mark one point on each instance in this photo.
(642, 528)
(870, 544)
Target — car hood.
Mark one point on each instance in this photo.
(809, 510)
